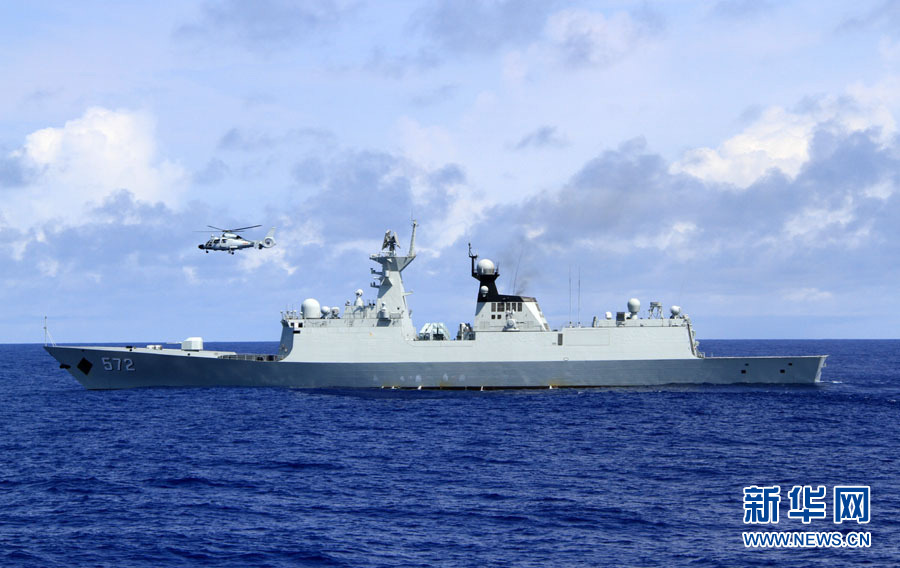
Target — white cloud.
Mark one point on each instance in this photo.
(675, 239)
(590, 38)
(291, 238)
(806, 295)
(190, 274)
(780, 140)
(48, 267)
(430, 146)
(842, 227)
(86, 160)
(812, 221)
(253, 259)
(881, 190)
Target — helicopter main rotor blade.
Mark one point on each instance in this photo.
(233, 230)
(243, 228)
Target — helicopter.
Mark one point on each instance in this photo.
(229, 241)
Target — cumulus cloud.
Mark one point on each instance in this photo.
(780, 140)
(544, 136)
(594, 39)
(263, 24)
(628, 223)
(529, 32)
(72, 167)
(249, 140)
(631, 221)
(884, 14)
(807, 295)
(475, 26)
(426, 145)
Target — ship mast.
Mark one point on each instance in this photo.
(412, 241)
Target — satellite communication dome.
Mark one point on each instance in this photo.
(483, 290)
(485, 267)
(634, 305)
(325, 311)
(676, 311)
(335, 311)
(359, 292)
(310, 308)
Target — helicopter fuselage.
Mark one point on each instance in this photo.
(228, 242)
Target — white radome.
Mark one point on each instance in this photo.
(310, 308)
(485, 267)
(634, 305)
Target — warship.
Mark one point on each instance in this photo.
(374, 344)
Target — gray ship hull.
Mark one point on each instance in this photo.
(120, 368)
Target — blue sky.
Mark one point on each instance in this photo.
(738, 158)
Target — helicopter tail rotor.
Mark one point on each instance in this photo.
(267, 242)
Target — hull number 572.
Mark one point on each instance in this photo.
(118, 364)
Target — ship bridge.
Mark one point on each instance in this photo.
(502, 312)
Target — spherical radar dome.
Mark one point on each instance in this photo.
(310, 308)
(485, 267)
(634, 305)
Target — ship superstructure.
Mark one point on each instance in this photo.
(508, 344)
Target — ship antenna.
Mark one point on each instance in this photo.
(47, 334)
(518, 262)
(412, 239)
(578, 316)
(570, 295)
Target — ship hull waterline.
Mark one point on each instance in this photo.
(121, 368)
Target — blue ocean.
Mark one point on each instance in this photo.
(588, 477)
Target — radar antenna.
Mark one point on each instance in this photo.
(390, 241)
